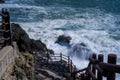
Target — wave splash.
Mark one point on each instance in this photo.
(92, 26)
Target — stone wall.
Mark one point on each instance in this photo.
(7, 55)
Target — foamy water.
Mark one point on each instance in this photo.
(95, 27)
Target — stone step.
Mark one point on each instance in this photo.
(44, 77)
(49, 75)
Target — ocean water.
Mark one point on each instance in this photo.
(96, 23)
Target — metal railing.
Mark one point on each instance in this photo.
(5, 30)
(96, 69)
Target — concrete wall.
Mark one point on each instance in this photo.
(7, 55)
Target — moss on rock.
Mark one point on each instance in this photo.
(24, 65)
(19, 73)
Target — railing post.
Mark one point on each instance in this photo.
(71, 68)
(88, 77)
(6, 27)
(61, 58)
(111, 59)
(100, 59)
(93, 68)
(68, 61)
(48, 56)
(74, 77)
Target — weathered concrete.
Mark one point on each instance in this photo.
(7, 55)
(8, 72)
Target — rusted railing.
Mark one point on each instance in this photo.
(5, 29)
(61, 58)
(97, 68)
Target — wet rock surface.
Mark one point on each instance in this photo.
(40, 54)
(24, 42)
(64, 40)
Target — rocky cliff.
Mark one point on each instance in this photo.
(24, 42)
(24, 63)
(24, 68)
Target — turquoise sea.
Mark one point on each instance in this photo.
(96, 23)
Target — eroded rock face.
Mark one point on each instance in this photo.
(37, 45)
(24, 42)
(21, 37)
(63, 40)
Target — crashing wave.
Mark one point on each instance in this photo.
(81, 51)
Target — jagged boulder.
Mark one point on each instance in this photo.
(63, 40)
(21, 37)
(37, 45)
(24, 42)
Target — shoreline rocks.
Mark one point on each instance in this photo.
(64, 40)
(32, 52)
(24, 42)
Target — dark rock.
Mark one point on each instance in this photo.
(37, 45)
(50, 51)
(24, 42)
(83, 44)
(21, 37)
(63, 40)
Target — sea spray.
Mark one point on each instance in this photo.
(81, 51)
(93, 22)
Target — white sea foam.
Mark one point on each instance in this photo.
(98, 41)
(32, 9)
(88, 26)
